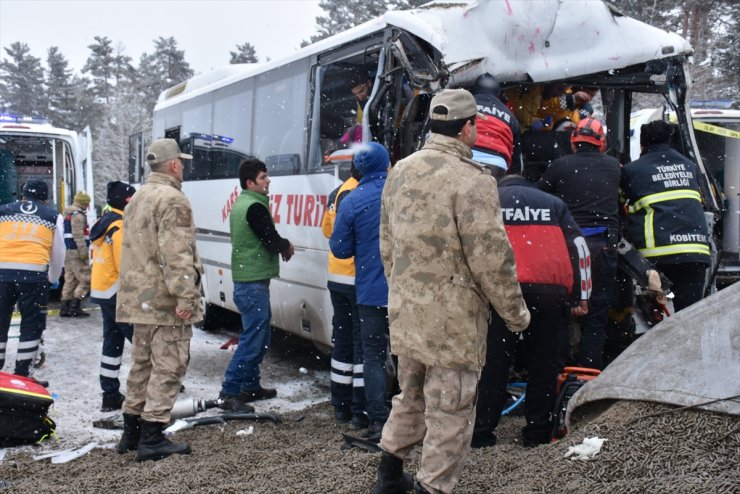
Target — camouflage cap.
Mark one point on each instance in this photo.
(459, 103)
(163, 150)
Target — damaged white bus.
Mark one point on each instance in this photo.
(294, 114)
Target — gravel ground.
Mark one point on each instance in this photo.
(681, 452)
(677, 451)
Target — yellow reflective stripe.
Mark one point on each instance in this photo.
(26, 393)
(669, 195)
(648, 226)
(714, 129)
(675, 249)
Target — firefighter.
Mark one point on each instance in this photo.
(76, 261)
(553, 269)
(31, 256)
(106, 236)
(588, 182)
(665, 218)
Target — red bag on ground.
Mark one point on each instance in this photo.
(24, 405)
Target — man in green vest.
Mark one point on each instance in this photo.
(255, 245)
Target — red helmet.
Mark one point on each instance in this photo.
(591, 131)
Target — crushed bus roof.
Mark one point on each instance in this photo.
(517, 41)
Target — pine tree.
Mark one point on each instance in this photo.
(161, 70)
(345, 14)
(100, 65)
(22, 82)
(60, 96)
(244, 54)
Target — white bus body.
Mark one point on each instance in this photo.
(292, 112)
(32, 148)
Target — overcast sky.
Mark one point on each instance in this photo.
(206, 29)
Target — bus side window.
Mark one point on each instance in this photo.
(283, 164)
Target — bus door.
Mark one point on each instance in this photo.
(344, 82)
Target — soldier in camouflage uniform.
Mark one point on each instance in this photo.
(160, 294)
(77, 260)
(446, 256)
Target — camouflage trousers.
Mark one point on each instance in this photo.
(76, 277)
(437, 406)
(160, 356)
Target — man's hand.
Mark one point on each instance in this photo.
(183, 314)
(288, 253)
(580, 310)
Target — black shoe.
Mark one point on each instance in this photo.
(391, 477)
(64, 309)
(75, 310)
(112, 401)
(131, 433)
(258, 394)
(342, 416)
(483, 439)
(234, 403)
(154, 446)
(359, 421)
(374, 430)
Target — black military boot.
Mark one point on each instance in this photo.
(419, 489)
(131, 433)
(391, 477)
(154, 446)
(64, 309)
(75, 310)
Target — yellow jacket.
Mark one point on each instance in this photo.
(340, 270)
(106, 254)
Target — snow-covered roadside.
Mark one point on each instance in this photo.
(73, 346)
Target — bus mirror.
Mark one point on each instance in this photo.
(283, 164)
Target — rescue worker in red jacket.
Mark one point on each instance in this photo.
(106, 236)
(77, 260)
(31, 256)
(553, 269)
(497, 143)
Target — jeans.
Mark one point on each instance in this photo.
(115, 335)
(374, 327)
(32, 300)
(253, 301)
(347, 381)
(593, 325)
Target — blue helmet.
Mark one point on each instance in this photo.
(371, 157)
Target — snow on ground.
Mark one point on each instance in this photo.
(73, 348)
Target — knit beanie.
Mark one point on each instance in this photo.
(655, 132)
(36, 188)
(82, 199)
(119, 194)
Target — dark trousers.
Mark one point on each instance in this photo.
(593, 325)
(32, 300)
(541, 350)
(347, 381)
(374, 326)
(688, 282)
(115, 335)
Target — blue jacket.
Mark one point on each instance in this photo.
(357, 233)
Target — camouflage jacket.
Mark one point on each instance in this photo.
(160, 267)
(79, 232)
(446, 255)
